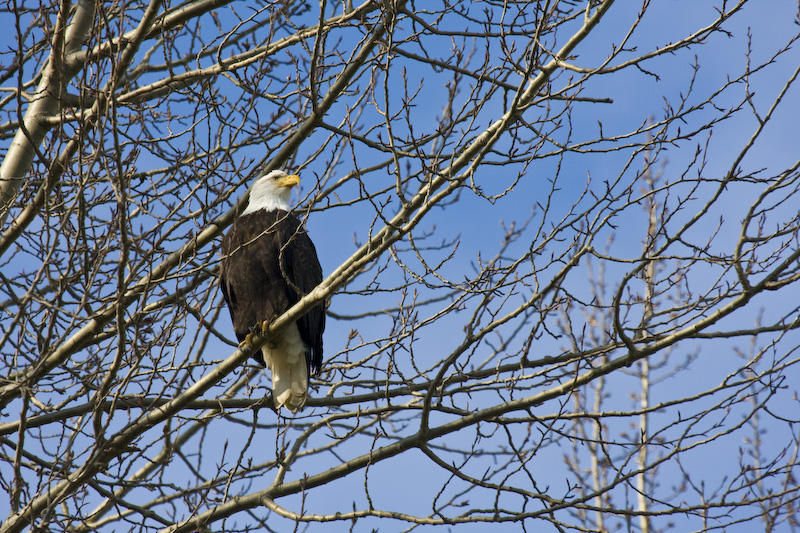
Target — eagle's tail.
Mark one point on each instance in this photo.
(286, 360)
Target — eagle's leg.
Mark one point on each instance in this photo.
(259, 328)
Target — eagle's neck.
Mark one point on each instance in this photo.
(267, 202)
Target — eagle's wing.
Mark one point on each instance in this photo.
(229, 295)
(302, 267)
(250, 278)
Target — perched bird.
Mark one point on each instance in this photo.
(268, 264)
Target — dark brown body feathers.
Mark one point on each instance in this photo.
(268, 263)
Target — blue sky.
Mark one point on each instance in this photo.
(408, 482)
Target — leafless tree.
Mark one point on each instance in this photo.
(536, 319)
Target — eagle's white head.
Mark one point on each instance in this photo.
(271, 191)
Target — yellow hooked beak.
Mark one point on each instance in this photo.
(289, 181)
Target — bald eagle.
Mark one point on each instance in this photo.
(268, 264)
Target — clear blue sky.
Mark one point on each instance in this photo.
(408, 483)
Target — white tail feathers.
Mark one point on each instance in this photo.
(286, 359)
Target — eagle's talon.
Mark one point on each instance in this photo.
(247, 342)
